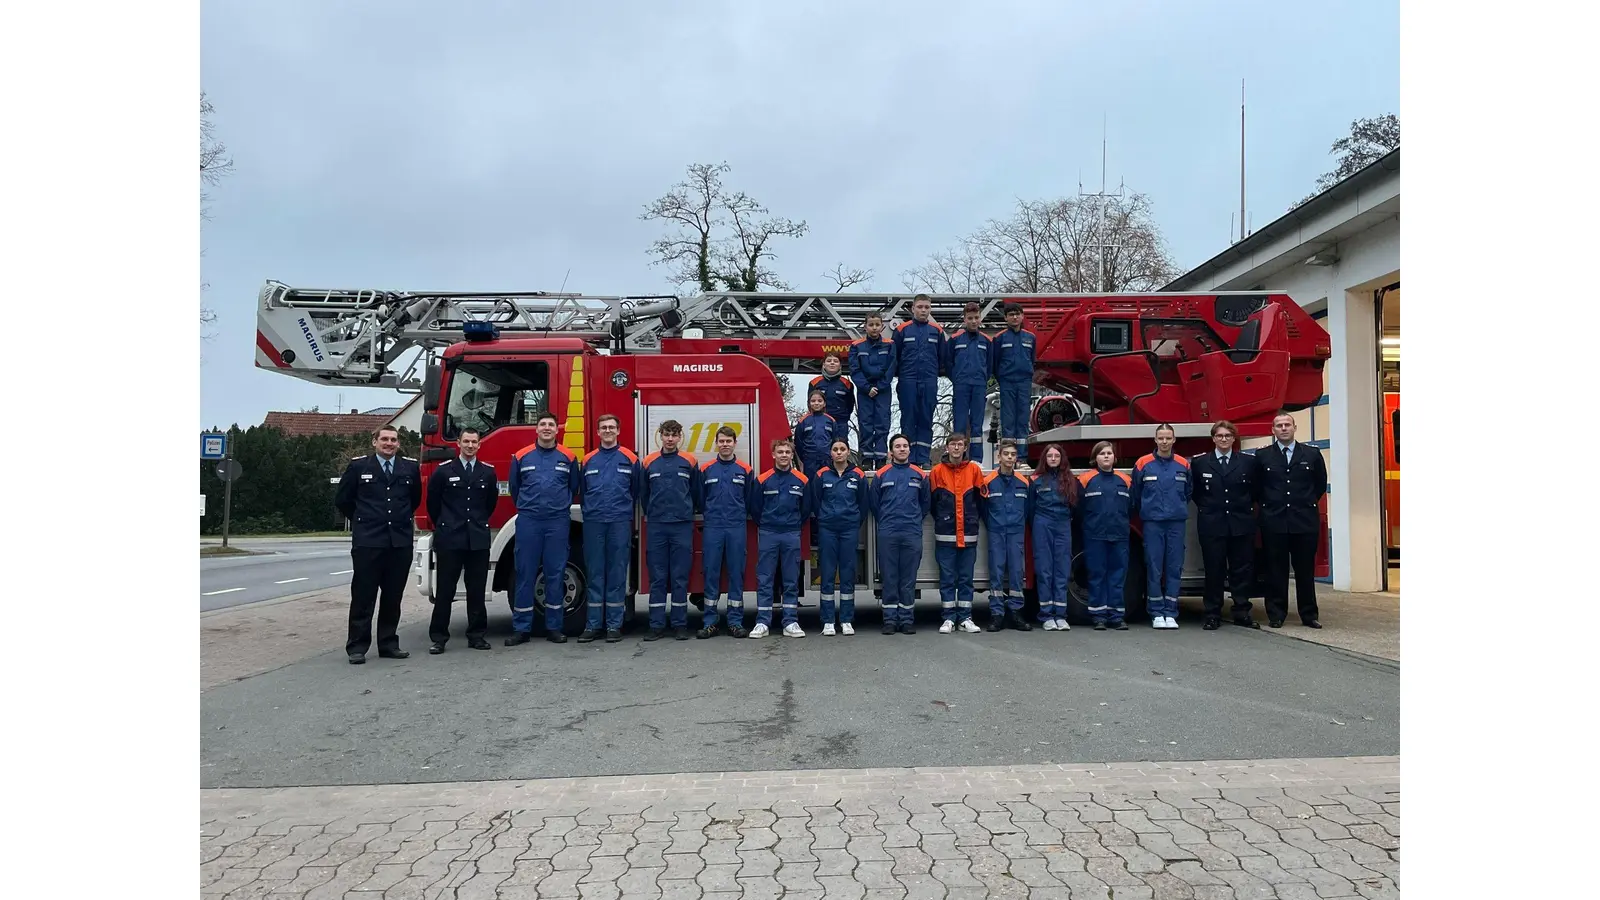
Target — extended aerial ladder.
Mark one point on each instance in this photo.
(1111, 359)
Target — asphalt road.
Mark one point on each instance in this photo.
(284, 568)
(543, 710)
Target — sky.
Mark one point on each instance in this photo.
(512, 145)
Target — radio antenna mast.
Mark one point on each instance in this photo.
(1104, 243)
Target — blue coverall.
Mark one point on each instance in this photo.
(813, 437)
(838, 397)
(670, 496)
(872, 365)
(610, 492)
(967, 357)
(1162, 488)
(1052, 545)
(782, 505)
(1105, 504)
(1006, 512)
(1013, 353)
(954, 494)
(544, 482)
(729, 488)
(899, 499)
(919, 349)
(838, 504)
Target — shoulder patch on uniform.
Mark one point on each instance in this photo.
(801, 475)
(857, 470)
(919, 470)
(815, 380)
(590, 455)
(353, 458)
(1085, 477)
(1126, 480)
(532, 446)
(765, 475)
(744, 465)
(651, 458)
(632, 457)
(690, 458)
(709, 463)
(1147, 458)
(1181, 460)
(882, 470)
(567, 451)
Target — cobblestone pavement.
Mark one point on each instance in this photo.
(1288, 829)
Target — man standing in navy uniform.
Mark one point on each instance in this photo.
(544, 481)
(967, 357)
(611, 477)
(1013, 352)
(1223, 486)
(872, 363)
(670, 495)
(379, 494)
(1293, 480)
(462, 493)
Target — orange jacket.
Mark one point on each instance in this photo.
(956, 490)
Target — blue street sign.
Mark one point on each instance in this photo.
(213, 445)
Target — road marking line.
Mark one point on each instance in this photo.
(214, 593)
(289, 580)
(345, 572)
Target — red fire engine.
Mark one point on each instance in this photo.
(1109, 367)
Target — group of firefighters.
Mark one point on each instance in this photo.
(671, 488)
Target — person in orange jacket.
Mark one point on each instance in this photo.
(956, 486)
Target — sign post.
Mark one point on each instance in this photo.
(217, 446)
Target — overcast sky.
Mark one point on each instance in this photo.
(498, 145)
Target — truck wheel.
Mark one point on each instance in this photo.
(1134, 600)
(573, 600)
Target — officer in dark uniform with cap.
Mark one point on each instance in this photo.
(1224, 491)
(462, 494)
(379, 494)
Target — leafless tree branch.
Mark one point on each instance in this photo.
(843, 278)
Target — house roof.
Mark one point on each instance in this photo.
(301, 424)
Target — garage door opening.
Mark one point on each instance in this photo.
(1388, 316)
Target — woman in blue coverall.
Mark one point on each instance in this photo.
(838, 504)
(1053, 492)
(813, 435)
(1162, 487)
(1106, 506)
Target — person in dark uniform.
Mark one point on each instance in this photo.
(1224, 495)
(1293, 480)
(462, 494)
(379, 494)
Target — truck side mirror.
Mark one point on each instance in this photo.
(430, 423)
(430, 391)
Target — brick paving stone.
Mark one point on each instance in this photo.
(828, 837)
(597, 891)
(1246, 886)
(868, 849)
(649, 855)
(792, 850)
(605, 869)
(798, 877)
(679, 889)
(834, 863)
(640, 880)
(841, 886)
(682, 866)
(875, 874)
(721, 877)
(910, 860)
(954, 873)
(758, 863)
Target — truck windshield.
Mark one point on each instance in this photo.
(492, 395)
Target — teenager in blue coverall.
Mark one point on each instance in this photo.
(1106, 506)
(1162, 487)
(544, 481)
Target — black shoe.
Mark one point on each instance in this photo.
(1099, 626)
(1015, 620)
(1312, 623)
(587, 636)
(1248, 623)
(996, 623)
(1119, 626)
(396, 653)
(556, 637)
(613, 635)
(656, 634)
(478, 644)
(907, 628)
(357, 659)
(737, 631)
(710, 631)
(1274, 623)
(681, 633)
(888, 628)
(521, 637)
(436, 648)
(1211, 624)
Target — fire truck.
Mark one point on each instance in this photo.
(1109, 367)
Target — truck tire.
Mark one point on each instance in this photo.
(574, 588)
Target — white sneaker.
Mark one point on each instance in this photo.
(827, 630)
(969, 626)
(793, 629)
(847, 629)
(760, 631)
(1172, 621)
(1061, 625)
(947, 627)
(1049, 624)
(1158, 621)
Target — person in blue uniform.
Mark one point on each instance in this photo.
(919, 350)
(545, 483)
(670, 496)
(1293, 480)
(1005, 521)
(968, 359)
(379, 494)
(462, 494)
(1106, 507)
(838, 504)
(899, 499)
(872, 365)
(1161, 491)
(727, 486)
(838, 392)
(815, 433)
(782, 505)
(1052, 498)
(611, 477)
(1225, 485)
(1013, 355)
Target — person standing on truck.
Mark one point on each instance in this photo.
(919, 350)
(670, 495)
(545, 482)
(899, 500)
(1224, 492)
(1293, 480)
(1052, 496)
(838, 391)
(815, 433)
(1161, 492)
(967, 357)
(461, 494)
(956, 487)
(378, 494)
(838, 501)
(872, 364)
(611, 476)
(1013, 355)
(728, 490)
(1107, 506)
(781, 509)
(1006, 512)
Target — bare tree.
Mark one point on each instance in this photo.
(844, 278)
(1069, 245)
(723, 240)
(1369, 140)
(214, 164)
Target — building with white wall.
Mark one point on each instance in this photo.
(1338, 256)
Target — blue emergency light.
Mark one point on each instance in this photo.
(478, 331)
